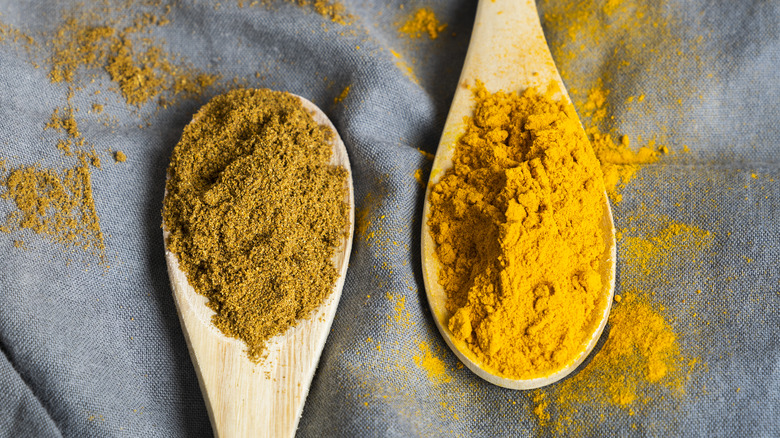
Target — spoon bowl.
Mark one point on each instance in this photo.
(263, 399)
(507, 52)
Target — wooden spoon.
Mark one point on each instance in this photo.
(507, 52)
(245, 399)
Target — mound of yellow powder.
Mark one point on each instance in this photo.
(516, 221)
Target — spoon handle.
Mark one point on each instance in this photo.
(507, 52)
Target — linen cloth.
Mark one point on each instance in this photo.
(95, 351)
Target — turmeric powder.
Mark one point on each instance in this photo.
(516, 222)
(421, 22)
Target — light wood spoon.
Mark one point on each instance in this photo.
(507, 52)
(245, 399)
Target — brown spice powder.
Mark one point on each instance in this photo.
(58, 205)
(139, 65)
(255, 212)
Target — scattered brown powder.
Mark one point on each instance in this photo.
(9, 34)
(62, 120)
(78, 45)
(88, 41)
(59, 206)
(137, 63)
(140, 75)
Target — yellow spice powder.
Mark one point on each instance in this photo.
(422, 22)
(640, 356)
(342, 96)
(432, 364)
(516, 222)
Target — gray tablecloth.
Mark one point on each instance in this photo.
(95, 349)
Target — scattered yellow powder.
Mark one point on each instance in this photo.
(97, 108)
(428, 156)
(400, 315)
(594, 106)
(619, 163)
(639, 362)
(437, 371)
(363, 219)
(421, 22)
(541, 403)
(342, 96)
(330, 9)
(645, 256)
(405, 68)
(641, 350)
(418, 176)
(120, 157)
(610, 6)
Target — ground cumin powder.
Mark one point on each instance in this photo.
(516, 221)
(55, 204)
(136, 62)
(255, 212)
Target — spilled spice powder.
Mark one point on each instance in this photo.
(10, 34)
(59, 206)
(619, 163)
(331, 9)
(87, 40)
(639, 362)
(422, 22)
(255, 212)
(138, 64)
(342, 96)
(432, 364)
